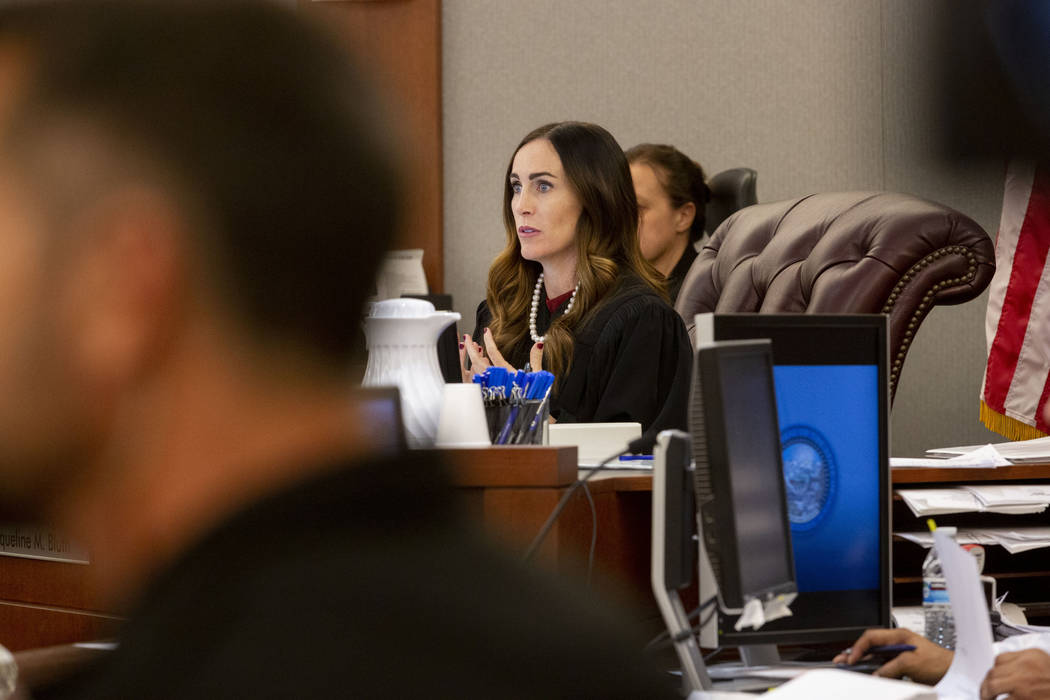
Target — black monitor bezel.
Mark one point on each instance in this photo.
(830, 349)
(719, 513)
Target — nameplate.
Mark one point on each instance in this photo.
(33, 542)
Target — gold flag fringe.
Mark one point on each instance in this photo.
(1010, 428)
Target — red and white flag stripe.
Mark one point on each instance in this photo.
(1017, 325)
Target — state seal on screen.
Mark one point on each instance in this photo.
(810, 475)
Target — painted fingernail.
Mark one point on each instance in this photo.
(539, 345)
(461, 346)
(487, 331)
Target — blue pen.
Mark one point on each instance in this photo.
(501, 439)
(498, 380)
(541, 385)
(526, 387)
(523, 435)
(636, 458)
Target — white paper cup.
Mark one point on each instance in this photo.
(462, 422)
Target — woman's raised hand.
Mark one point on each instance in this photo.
(490, 356)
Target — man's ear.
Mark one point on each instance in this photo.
(124, 293)
(683, 217)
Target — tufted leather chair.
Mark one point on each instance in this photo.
(842, 252)
(731, 190)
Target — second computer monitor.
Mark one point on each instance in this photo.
(832, 388)
(739, 490)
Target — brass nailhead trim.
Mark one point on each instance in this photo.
(895, 294)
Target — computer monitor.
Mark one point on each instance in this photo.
(740, 496)
(832, 393)
(730, 468)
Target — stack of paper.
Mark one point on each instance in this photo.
(1023, 451)
(983, 457)
(1022, 628)
(1017, 499)
(1014, 540)
(1011, 495)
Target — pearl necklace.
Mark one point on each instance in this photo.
(536, 337)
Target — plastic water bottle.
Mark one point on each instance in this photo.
(940, 624)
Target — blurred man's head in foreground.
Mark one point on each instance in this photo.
(171, 173)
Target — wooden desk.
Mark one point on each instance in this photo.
(512, 490)
(509, 490)
(43, 603)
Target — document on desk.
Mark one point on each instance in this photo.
(1011, 494)
(984, 457)
(1012, 539)
(834, 683)
(1020, 452)
(926, 502)
(973, 629)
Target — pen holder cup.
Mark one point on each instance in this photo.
(518, 425)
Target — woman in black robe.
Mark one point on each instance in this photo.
(572, 293)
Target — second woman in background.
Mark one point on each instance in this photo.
(671, 198)
(571, 290)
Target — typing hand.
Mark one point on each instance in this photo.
(927, 664)
(1021, 675)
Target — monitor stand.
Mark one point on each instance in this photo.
(736, 675)
(759, 655)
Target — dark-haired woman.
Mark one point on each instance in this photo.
(671, 196)
(572, 292)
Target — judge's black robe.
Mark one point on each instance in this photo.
(631, 360)
(681, 269)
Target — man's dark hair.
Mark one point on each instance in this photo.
(261, 123)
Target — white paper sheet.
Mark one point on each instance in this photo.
(833, 683)
(983, 457)
(1014, 540)
(916, 463)
(973, 629)
(925, 502)
(1037, 450)
(1011, 494)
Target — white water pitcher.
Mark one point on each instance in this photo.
(401, 336)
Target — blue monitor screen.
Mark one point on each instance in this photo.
(829, 432)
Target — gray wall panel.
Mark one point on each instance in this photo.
(815, 95)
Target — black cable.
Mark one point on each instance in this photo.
(713, 654)
(542, 534)
(641, 445)
(714, 611)
(594, 531)
(657, 641)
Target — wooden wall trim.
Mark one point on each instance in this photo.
(399, 42)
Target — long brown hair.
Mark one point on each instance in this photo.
(606, 241)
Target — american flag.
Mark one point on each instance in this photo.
(1017, 324)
